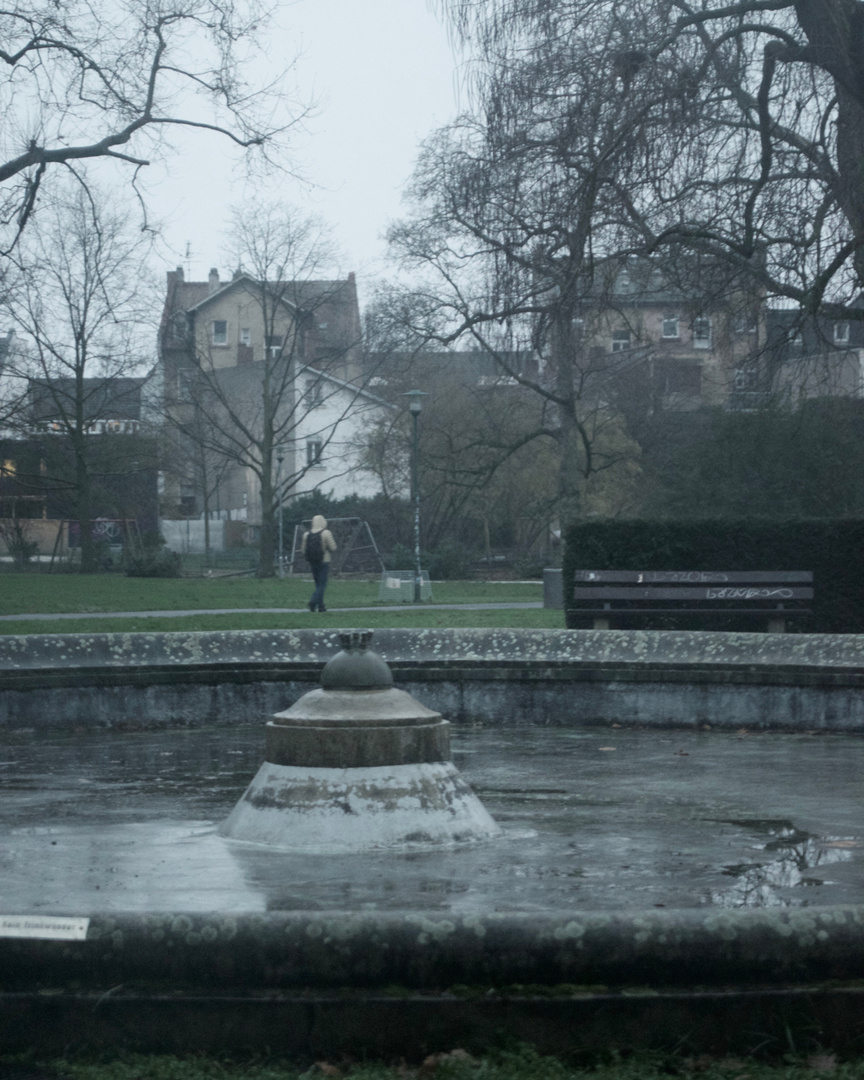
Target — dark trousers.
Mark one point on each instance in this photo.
(319, 573)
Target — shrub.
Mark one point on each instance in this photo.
(153, 560)
(14, 533)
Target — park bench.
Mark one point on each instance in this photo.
(615, 599)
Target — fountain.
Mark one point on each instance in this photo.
(693, 876)
(358, 765)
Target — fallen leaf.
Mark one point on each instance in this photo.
(431, 1063)
(698, 1064)
(822, 1062)
(327, 1069)
(605, 747)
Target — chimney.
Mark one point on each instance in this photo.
(175, 277)
(213, 279)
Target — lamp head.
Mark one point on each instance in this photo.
(415, 401)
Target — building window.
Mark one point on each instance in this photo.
(245, 336)
(313, 393)
(746, 380)
(701, 333)
(220, 332)
(796, 342)
(314, 450)
(620, 339)
(274, 344)
(841, 333)
(184, 386)
(670, 325)
(745, 323)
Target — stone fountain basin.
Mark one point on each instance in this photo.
(714, 837)
(594, 819)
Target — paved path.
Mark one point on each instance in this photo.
(50, 617)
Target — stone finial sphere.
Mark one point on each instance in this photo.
(355, 666)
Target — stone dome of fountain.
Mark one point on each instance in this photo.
(358, 764)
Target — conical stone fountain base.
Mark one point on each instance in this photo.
(358, 766)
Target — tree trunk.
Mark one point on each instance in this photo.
(83, 508)
(267, 551)
(850, 165)
(569, 469)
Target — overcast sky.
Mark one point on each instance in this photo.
(384, 74)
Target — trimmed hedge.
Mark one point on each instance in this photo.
(832, 549)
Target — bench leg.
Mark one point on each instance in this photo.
(777, 625)
(601, 624)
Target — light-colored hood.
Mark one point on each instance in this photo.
(319, 523)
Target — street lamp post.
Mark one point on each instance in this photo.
(280, 457)
(415, 405)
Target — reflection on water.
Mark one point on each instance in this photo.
(763, 884)
(593, 820)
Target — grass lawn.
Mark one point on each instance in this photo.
(38, 592)
(31, 593)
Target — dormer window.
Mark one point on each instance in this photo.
(219, 329)
(245, 336)
(274, 345)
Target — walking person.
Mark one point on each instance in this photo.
(317, 545)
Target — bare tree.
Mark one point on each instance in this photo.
(84, 81)
(765, 120)
(80, 299)
(525, 213)
(286, 397)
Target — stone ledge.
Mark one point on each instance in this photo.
(276, 651)
(559, 677)
(427, 950)
(362, 1026)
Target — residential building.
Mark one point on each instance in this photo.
(681, 334)
(239, 355)
(38, 478)
(812, 358)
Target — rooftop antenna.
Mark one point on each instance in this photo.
(188, 261)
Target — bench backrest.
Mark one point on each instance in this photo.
(771, 586)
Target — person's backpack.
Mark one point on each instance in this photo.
(314, 547)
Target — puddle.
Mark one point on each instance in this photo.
(770, 883)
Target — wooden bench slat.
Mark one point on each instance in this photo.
(712, 592)
(622, 612)
(694, 577)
